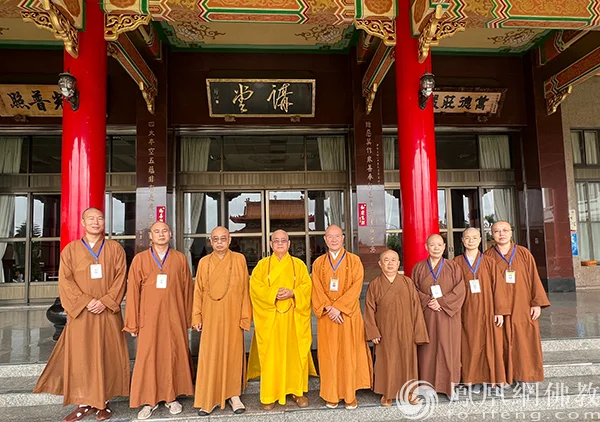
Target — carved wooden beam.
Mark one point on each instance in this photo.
(116, 25)
(378, 68)
(435, 30)
(386, 30)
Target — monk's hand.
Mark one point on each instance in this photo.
(536, 311)
(133, 334)
(98, 307)
(283, 294)
(91, 304)
(376, 340)
(335, 315)
(499, 320)
(434, 305)
(197, 327)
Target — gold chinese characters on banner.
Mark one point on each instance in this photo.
(468, 100)
(30, 100)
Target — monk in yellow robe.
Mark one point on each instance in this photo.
(90, 363)
(280, 289)
(482, 316)
(222, 312)
(159, 307)
(345, 361)
(526, 297)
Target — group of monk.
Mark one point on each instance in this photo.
(487, 305)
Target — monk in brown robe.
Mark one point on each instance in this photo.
(526, 298)
(159, 308)
(394, 323)
(441, 289)
(344, 357)
(222, 311)
(482, 316)
(90, 363)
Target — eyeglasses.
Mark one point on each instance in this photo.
(223, 239)
(280, 241)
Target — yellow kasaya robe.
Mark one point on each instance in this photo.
(162, 368)
(222, 305)
(280, 352)
(345, 362)
(90, 363)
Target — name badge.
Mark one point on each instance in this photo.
(511, 276)
(436, 291)
(96, 271)
(334, 284)
(475, 287)
(161, 281)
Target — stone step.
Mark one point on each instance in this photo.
(571, 344)
(571, 407)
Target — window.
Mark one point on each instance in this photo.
(585, 147)
(588, 204)
(459, 151)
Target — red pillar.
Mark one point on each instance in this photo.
(84, 130)
(416, 145)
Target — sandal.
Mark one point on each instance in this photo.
(79, 413)
(236, 405)
(104, 414)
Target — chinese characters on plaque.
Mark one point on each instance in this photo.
(261, 97)
(362, 214)
(468, 100)
(373, 185)
(30, 100)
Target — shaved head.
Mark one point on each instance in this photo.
(90, 209)
(501, 224)
(159, 224)
(279, 233)
(470, 230)
(333, 229)
(219, 231)
(387, 252)
(436, 237)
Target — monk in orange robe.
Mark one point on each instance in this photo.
(222, 312)
(158, 314)
(526, 298)
(394, 323)
(90, 363)
(482, 316)
(344, 357)
(441, 289)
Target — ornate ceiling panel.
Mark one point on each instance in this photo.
(219, 35)
(483, 40)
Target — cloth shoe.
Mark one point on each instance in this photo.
(386, 402)
(236, 405)
(269, 406)
(79, 413)
(352, 405)
(104, 414)
(175, 408)
(301, 401)
(146, 412)
(331, 405)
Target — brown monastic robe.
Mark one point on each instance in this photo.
(222, 305)
(393, 313)
(482, 357)
(90, 363)
(345, 362)
(439, 361)
(161, 317)
(522, 341)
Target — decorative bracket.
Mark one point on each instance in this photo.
(557, 98)
(55, 21)
(386, 30)
(370, 98)
(379, 66)
(434, 31)
(117, 24)
(127, 55)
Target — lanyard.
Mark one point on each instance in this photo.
(158, 262)
(91, 251)
(474, 271)
(512, 255)
(269, 269)
(336, 266)
(435, 276)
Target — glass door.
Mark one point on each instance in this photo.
(245, 219)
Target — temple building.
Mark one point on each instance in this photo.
(391, 119)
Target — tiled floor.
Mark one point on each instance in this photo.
(26, 334)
